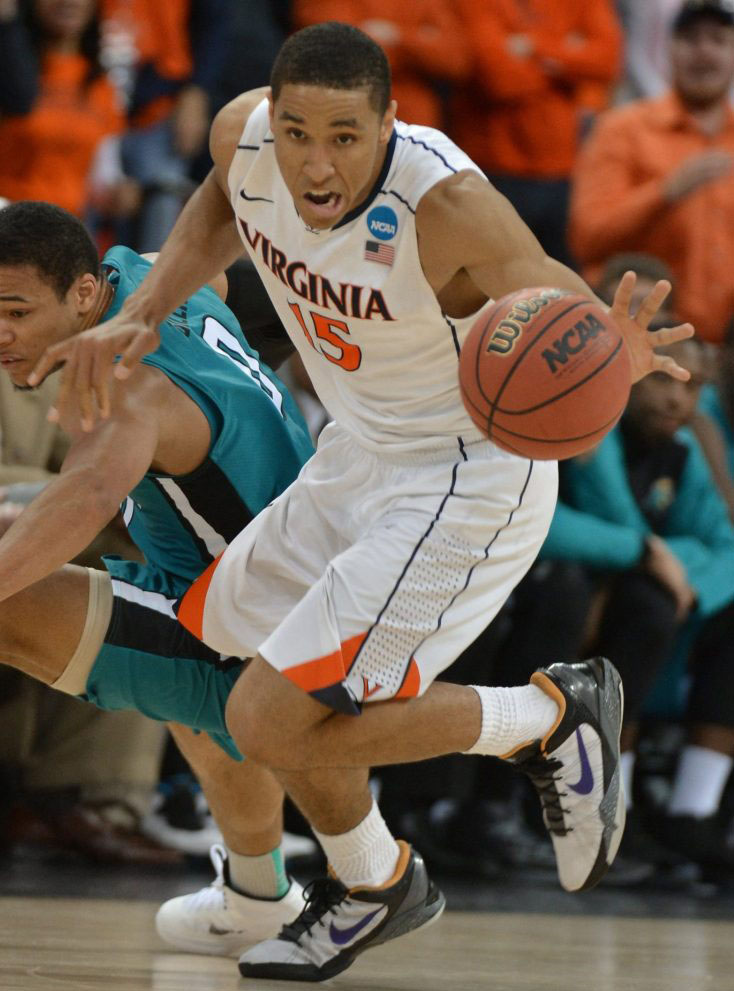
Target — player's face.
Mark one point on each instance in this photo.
(702, 61)
(330, 145)
(659, 405)
(31, 318)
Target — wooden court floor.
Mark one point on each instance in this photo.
(56, 944)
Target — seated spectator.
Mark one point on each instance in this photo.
(717, 406)
(647, 48)
(166, 58)
(57, 107)
(651, 542)
(656, 175)
(541, 69)
(415, 37)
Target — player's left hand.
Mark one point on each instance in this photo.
(640, 341)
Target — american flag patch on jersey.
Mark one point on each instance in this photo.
(375, 251)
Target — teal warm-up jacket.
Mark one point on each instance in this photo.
(601, 524)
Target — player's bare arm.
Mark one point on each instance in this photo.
(98, 472)
(203, 243)
(473, 246)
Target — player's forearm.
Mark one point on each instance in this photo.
(203, 243)
(53, 529)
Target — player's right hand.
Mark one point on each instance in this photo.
(88, 361)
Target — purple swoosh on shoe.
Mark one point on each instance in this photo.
(585, 783)
(343, 936)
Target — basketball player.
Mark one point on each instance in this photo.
(203, 438)
(379, 243)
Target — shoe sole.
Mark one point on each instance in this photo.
(407, 923)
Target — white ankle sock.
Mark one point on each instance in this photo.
(627, 769)
(699, 782)
(364, 856)
(511, 717)
(258, 877)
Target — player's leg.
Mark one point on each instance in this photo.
(251, 897)
(41, 627)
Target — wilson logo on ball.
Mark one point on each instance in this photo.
(508, 330)
(573, 341)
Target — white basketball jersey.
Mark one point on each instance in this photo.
(381, 354)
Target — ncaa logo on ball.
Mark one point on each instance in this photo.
(382, 223)
(523, 310)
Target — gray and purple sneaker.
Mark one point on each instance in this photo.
(575, 769)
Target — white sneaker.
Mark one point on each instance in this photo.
(575, 769)
(219, 920)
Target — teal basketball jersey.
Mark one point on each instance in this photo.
(259, 440)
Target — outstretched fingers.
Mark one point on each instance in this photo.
(652, 303)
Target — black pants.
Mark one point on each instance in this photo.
(636, 630)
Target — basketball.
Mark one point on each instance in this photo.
(544, 373)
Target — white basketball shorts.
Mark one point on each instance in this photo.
(370, 574)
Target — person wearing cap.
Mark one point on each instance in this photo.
(657, 175)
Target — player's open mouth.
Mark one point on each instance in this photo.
(324, 204)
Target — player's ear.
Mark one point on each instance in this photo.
(388, 121)
(271, 107)
(84, 292)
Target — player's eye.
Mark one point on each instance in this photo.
(296, 133)
(17, 314)
(345, 139)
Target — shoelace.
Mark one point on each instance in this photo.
(321, 895)
(542, 772)
(213, 894)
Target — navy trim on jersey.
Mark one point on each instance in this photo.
(454, 335)
(249, 147)
(213, 496)
(377, 188)
(254, 199)
(462, 448)
(391, 192)
(407, 137)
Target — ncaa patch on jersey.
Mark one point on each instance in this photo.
(382, 223)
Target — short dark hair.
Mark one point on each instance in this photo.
(337, 56)
(50, 239)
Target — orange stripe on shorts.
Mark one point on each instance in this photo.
(321, 672)
(191, 608)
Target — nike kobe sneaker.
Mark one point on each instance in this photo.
(575, 769)
(219, 920)
(337, 924)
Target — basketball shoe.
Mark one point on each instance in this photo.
(219, 920)
(337, 924)
(575, 769)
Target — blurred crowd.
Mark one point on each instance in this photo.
(610, 127)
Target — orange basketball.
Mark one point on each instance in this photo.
(544, 373)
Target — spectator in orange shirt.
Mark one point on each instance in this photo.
(425, 42)
(166, 57)
(57, 105)
(541, 68)
(656, 176)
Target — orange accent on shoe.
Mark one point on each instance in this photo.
(401, 867)
(191, 610)
(544, 683)
(321, 672)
